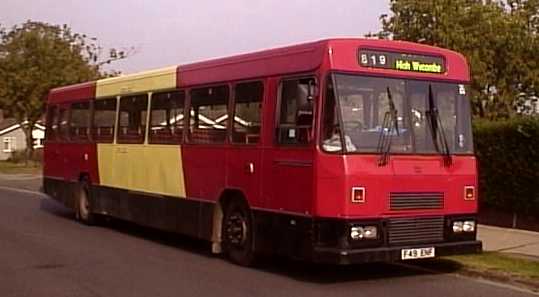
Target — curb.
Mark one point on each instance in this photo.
(501, 229)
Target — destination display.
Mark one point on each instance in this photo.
(401, 61)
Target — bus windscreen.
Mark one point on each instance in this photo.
(359, 105)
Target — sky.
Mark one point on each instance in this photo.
(172, 32)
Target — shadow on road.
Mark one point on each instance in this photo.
(325, 274)
(301, 271)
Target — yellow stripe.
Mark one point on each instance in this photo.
(156, 169)
(154, 80)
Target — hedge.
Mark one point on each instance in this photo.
(508, 154)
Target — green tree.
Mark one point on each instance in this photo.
(35, 57)
(499, 38)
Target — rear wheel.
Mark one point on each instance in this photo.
(84, 213)
(238, 233)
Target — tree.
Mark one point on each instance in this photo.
(499, 38)
(35, 57)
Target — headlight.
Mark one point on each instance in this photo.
(457, 227)
(468, 226)
(364, 232)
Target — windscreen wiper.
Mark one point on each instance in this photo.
(390, 122)
(437, 129)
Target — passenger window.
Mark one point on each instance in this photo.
(209, 115)
(52, 123)
(296, 111)
(80, 121)
(247, 108)
(63, 124)
(132, 119)
(166, 117)
(104, 120)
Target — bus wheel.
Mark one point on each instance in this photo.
(238, 233)
(84, 212)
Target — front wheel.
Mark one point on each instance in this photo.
(238, 233)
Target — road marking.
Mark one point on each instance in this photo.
(475, 279)
(39, 194)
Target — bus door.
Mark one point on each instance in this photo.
(244, 168)
(291, 161)
(129, 159)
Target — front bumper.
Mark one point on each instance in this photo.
(390, 254)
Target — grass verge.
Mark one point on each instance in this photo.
(20, 168)
(500, 263)
(496, 266)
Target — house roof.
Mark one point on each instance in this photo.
(11, 124)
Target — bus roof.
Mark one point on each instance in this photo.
(334, 54)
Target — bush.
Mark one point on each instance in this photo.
(19, 156)
(508, 153)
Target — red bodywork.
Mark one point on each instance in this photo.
(67, 160)
(302, 181)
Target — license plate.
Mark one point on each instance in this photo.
(420, 253)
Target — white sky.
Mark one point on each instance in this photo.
(170, 32)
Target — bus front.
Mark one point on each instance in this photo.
(396, 173)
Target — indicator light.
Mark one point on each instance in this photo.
(358, 195)
(469, 193)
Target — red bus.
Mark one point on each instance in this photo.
(337, 151)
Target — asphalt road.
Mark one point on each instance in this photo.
(45, 252)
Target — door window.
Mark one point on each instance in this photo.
(132, 119)
(295, 125)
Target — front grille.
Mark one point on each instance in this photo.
(415, 230)
(411, 201)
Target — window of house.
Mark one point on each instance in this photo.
(38, 143)
(132, 119)
(103, 120)
(247, 109)
(295, 122)
(51, 123)
(9, 144)
(209, 115)
(80, 121)
(167, 118)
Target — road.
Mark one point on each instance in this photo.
(45, 252)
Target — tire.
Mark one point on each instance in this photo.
(84, 209)
(238, 233)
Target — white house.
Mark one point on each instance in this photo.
(12, 137)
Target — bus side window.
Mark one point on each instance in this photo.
(209, 115)
(296, 112)
(52, 123)
(247, 109)
(166, 117)
(63, 124)
(80, 121)
(103, 121)
(132, 119)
